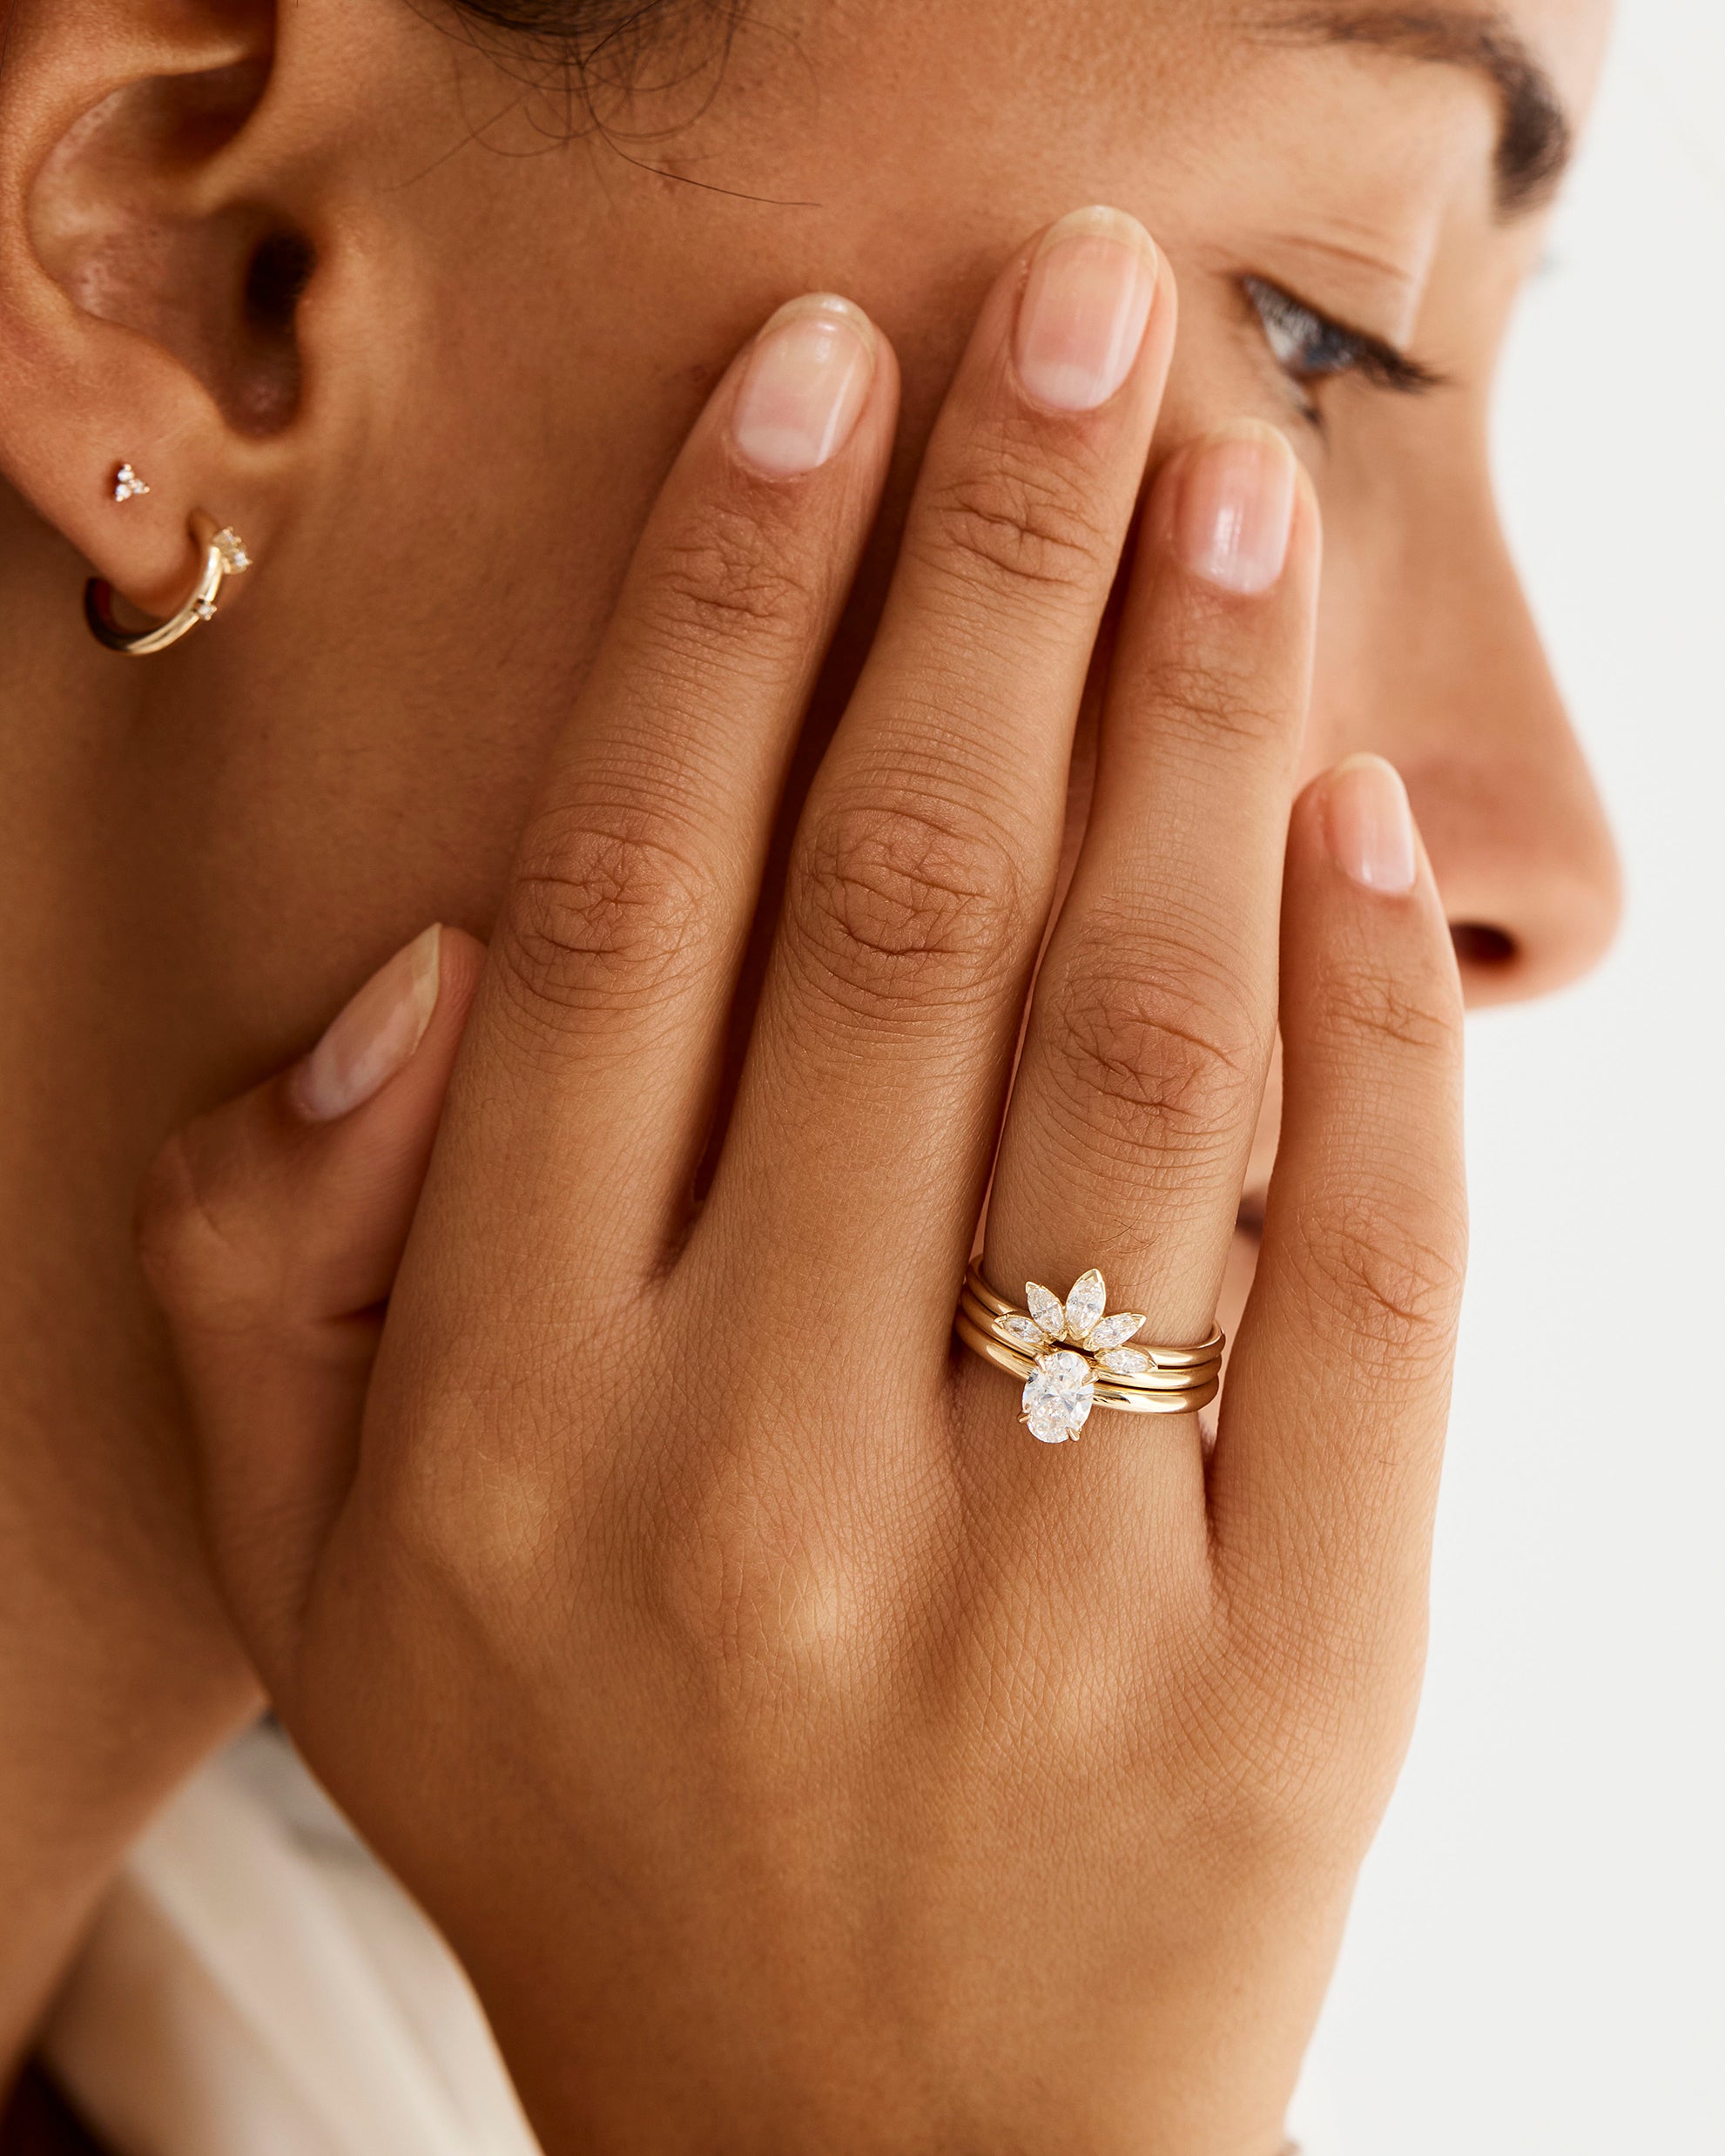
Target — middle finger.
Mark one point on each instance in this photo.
(925, 859)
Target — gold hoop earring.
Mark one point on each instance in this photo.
(225, 555)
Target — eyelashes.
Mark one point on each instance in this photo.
(1311, 347)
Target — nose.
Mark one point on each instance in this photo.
(1465, 704)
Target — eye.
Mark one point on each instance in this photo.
(1310, 347)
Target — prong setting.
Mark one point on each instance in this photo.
(1060, 1390)
(1071, 1356)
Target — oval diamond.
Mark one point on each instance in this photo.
(1058, 1397)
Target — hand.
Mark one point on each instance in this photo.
(800, 1756)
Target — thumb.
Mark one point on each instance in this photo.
(271, 1231)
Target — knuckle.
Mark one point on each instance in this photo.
(1159, 1053)
(1025, 523)
(1316, 1718)
(896, 904)
(170, 1227)
(733, 1605)
(469, 1517)
(730, 587)
(1366, 1005)
(749, 1587)
(1285, 1779)
(203, 1267)
(609, 908)
(1390, 1266)
(1204, 698)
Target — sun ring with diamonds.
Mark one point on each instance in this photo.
(1074, 1356)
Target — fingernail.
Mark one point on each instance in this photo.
(1235, 509)
(805, 386)
(377, 1032)
(1085, 307)
(1370, 825)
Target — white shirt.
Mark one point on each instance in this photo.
(256, 1984)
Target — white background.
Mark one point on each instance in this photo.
(1537, 1958)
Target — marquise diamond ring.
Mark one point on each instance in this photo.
(1074, 1356)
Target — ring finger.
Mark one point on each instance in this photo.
(1150, 1032)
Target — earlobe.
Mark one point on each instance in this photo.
(147, 294)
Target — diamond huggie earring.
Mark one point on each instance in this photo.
(225, 555)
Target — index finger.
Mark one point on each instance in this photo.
(593, 1055)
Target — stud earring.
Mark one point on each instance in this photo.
(225, 555)
(127, 483)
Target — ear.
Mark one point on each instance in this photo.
(171, 188)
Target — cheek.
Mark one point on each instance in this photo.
(1213, 378)
(1342, 718)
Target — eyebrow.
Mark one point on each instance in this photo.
(1536, 138)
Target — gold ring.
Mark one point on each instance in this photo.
(1073, 1356)
(225, 555)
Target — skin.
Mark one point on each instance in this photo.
(443, 468)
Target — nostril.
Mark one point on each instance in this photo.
(1479, 945)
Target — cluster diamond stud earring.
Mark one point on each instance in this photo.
(127, 483)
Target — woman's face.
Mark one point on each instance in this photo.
(514, 319)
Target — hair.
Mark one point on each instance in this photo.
(594, 49)
(577, 23)
(594, 36)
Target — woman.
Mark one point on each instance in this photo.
(796, 1752)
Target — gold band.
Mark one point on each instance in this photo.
(1073, 1357)
(1020, 1362)
(1132, 1399)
